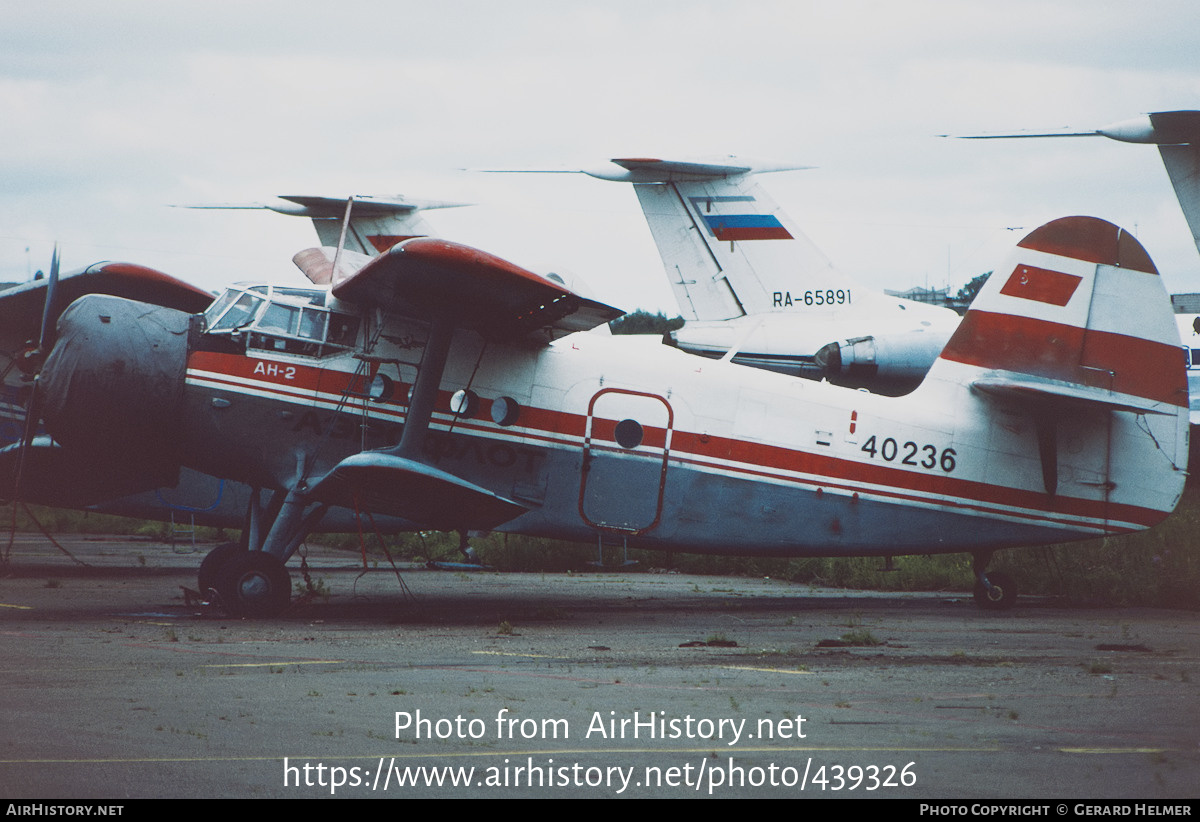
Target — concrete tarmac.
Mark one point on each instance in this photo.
(576, 685)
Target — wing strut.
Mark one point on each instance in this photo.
(429, 378)
(399, 481)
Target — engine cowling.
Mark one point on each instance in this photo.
(112, 388)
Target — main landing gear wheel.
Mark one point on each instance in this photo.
(210, 566)
(1001, 596)
(254, 584)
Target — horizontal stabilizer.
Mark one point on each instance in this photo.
(656, 170)
(365, 206)
(1177, 135)
(1162, 128)
(652, 170)
(1053, 391)
(332, 208)
(426, 278)
(427, 496)
(376, 223)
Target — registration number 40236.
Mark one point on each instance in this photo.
(910, 453)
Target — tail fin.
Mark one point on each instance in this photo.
(728, 249)
(1183, 167)
(1076, 326)
(1079, 311)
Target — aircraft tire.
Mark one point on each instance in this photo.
(210, 566)
(255, 584)
(1002, 596)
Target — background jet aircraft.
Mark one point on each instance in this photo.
(752, 288)
(443, 386)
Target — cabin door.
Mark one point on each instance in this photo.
(625, 451)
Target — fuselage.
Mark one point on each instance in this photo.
(629, 437)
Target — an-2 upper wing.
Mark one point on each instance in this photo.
(21, 305)
(428, 277)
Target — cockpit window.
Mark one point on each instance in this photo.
(239, 314)
(282, 318)
(302, 295)
(293, 320)
(312, 324)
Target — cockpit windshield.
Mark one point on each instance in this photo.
(233, 310)
(289, 320)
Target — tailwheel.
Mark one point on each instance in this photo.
(254, 584)
(1000, 596)
(210, 567)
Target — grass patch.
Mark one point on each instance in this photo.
(861, 637)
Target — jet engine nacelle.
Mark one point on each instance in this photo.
(903, 357)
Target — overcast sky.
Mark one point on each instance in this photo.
(110, 111)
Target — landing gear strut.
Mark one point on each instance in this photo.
(995, 590)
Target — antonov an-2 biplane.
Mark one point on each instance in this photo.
(449, 388)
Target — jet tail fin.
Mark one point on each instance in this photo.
(728, 249)
(1177, 135)
(1183, 167)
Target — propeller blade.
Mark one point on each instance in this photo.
(45, 339)
(45, 342)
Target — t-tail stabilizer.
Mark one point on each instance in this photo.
(376, 223)
(1177, 135)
